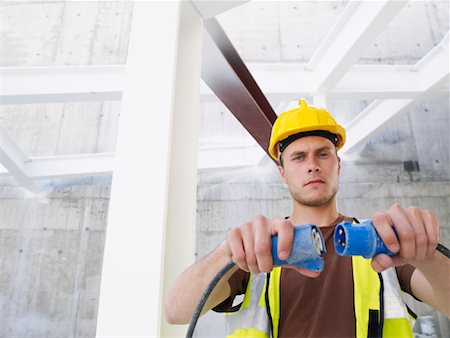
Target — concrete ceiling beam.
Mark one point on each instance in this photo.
(65, 166)
(25, 85)
(229, 156)
(211, 8)
(15, 161)
(432, 75)
(360, 24)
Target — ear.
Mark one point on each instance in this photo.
(339, 165)
(282, 173)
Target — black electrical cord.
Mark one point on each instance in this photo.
(443, 250)
(198, 310)
(209, 289)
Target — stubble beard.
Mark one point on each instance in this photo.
(315, 201)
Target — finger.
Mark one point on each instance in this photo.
(405, 231)
(249, 247)
(285, 231)
(414, 216)
(432, 228)
(383, 226)
(263, 244)
(237, 248)
(382, 262)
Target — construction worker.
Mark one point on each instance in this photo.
(352, 296)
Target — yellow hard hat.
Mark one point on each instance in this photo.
(304, 119)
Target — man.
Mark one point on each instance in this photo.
(347, 299)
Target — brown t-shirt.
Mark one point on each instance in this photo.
(315, 307)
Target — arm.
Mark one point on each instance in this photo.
(190, 285)
(416, 241)
(430, 283)
(249, 245)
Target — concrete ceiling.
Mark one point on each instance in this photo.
(319, 50)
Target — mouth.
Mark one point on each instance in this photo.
(314, 182)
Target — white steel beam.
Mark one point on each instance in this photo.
(376, 116)
(64, 166)
(150, 160)
(180, 226)
(15, 160)
(24, 85)
(277, 81)
(431, 74)
(229, 156)
(355, 29)
(211, 8)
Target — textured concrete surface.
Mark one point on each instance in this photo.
(51, 245)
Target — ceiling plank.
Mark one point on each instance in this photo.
(209, 9)
(229, 156)
(360, 24)
(227, 76)
(15, 160)
(66, 166)
(431, 75)
(25, 85)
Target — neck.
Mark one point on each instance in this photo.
(321, 216)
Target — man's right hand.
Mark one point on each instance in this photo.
(250, 244)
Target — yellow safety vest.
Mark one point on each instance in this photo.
(378, 305)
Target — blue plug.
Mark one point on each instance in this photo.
(359, 240)
(307, 248)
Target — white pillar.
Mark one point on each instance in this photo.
(132, 283)
(182, 194)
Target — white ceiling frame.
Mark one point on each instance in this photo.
(356, 28)
(229, 156)
(277, 81)
(211, 8)
(24, 85)
(14, 160)
(432, 74)
(66, 166)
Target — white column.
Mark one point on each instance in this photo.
(182, 193)
(131, 289)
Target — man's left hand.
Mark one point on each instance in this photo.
(416, 239)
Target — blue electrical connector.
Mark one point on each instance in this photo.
(307, 248)
(359, 240)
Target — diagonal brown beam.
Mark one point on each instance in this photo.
(226, 74)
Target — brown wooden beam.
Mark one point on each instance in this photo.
(227, 76)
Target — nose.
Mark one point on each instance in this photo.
(313, 167)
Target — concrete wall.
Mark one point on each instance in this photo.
(51, 250)
(51, 245)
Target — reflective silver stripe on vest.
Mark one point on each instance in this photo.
(252, 316)
(394, 306)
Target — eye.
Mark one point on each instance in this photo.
(324, 154)
(298, 158)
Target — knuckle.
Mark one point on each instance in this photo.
(260, 218)
(395, 207)
(434, 241)
(262, 247)
(421, 239)
(251, 260)
(378, 216)
(408, 236)
(233, 233)
(414, 211)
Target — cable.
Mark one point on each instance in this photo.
(198, 310)
(201, 303)
(443, 250)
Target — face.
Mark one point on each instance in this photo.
(311, 170)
